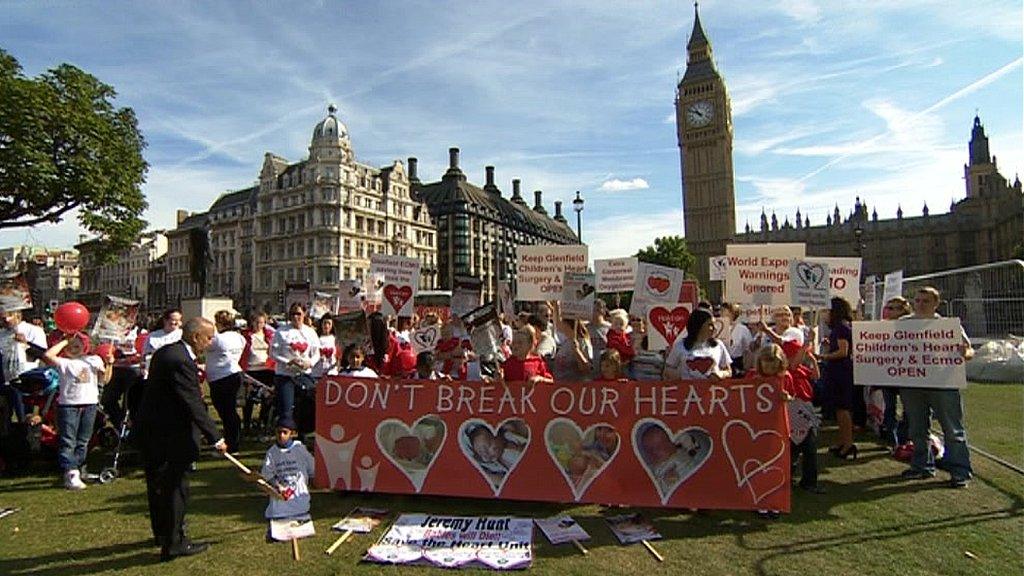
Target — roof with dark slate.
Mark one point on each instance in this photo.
(231, 199)
(444, 196)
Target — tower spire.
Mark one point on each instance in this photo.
(697, 37)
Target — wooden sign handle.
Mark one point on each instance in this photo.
(651, 549)
(263, 485)
(580, 547)
(295, 549)
(341, 540)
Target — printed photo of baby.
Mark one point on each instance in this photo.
(581, 458)
(412, 450)
(494, 454)
(671, 461)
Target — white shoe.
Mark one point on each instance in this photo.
(73, 480)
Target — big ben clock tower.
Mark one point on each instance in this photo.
(704, 126)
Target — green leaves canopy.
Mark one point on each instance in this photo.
(64, 145)
(669, 251)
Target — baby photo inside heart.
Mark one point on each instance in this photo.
(494, 453)
(670, 460)
(581, 456)
(414, 449)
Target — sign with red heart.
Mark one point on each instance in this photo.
(401, 280)
(655, 284)
(666, 322)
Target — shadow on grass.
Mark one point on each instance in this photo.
(87, 561)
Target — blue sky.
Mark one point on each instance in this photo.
(830, 99)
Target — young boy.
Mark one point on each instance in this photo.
(289, 466)
(80, 375)
(525, 365)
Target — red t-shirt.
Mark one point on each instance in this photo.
(517, 370)
(797, 382)
(619, 341)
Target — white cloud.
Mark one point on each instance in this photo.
(617, 185)
(626, 234)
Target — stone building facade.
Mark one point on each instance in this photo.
(126, 275)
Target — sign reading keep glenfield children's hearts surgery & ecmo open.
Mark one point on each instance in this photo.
(694, 444)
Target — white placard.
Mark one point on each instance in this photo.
(870, 305)
(809, 283)
(655, 284)
(843, 277)
(577, 296)
(759, 273)
(717, 267)
(351, 294)
(893, 286)
(665, 323)
(615, 274)
(539, 270)
(909, 353)
(401, 282)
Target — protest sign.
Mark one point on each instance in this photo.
(843, 277)
(809, 283)
(655, 284)
(15, 293)
(465, 294)
(495, 542)
(577, 296)
(752, 313)
(662, 444)
(401, 281)
(425, 338)
(870, 304)
(539, 270)
(909, 353)
(351, 294)
(562, 529)
(615, 274)
(666, 322)
(632, 528)
(717, 267)
(116, 319)
(296, 293)
(759, 273)
(689, 292)
(321, 304)
(373, 289)
(893, 286)
(433, 302)
(285, 529)
(361, 520)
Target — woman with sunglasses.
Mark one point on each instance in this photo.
(295, 350)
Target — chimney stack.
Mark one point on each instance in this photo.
(538, 206)
(413, 177)
(558, 211)
(182, 215)
(490, 175)
(453, 159)
(516, 196)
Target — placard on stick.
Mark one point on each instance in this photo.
(809, 283)
(759, 273)
(577, 296)
(401, 282)
(540, 270)
(909, 353)
(615, 274)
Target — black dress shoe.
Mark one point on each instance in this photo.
(190, 549)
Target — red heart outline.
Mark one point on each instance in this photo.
(669, 323)
(761, 470)
(397, 297)
(702, 364)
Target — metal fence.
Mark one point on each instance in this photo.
(988, 299)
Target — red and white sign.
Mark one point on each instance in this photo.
(577, 296)
(717, 267)
(665, 322)
(909, 353)
(759, 273)
(655, 284)
(615, 274)
(401, 281)
(540, 269)
(683, 444)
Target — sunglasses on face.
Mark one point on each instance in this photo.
(296, 314)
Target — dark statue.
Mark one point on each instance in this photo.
(200, 256)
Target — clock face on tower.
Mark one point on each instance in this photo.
(700, 113)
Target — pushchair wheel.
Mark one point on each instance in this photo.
(108, 475)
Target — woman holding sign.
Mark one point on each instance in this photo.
(295, 350)
(702, 356)
(838, 376)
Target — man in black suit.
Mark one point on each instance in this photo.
(172, 419)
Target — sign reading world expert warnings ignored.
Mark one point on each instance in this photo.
(909, 354)
(759, 273)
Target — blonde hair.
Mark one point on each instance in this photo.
(224, 319)
(931, 291)
(620, 315)
(771, 353)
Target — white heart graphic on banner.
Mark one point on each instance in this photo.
(670, 458)
(752, 468)
(494, 452)
(581, 456)
(413, 450)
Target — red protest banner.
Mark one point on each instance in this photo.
(694, 444)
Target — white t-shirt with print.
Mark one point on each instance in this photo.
(79, 380)
(290, 469)
(689, 364)
(224, 355)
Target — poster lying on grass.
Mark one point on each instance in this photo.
(657, 444)
(499, 543)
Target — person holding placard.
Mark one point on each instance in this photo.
(698, 355)
(597, 329)
(573, 358)
(838, 376)
(295, 349)
(947, 407)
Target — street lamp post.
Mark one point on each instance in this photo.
(577, 205)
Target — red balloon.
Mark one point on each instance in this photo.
(71, 317)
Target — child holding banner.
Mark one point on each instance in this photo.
(801, 369)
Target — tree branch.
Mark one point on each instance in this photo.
(49, 217)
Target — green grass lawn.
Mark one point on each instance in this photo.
(869, 522)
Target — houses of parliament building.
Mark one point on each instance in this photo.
(987, 225)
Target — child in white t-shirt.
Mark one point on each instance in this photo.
(80, 376)
(288, 466)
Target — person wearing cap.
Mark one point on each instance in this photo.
(173, 419)
(289, 466)
(80, 375)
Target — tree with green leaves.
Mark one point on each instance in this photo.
(668, 251)
(64, 145)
